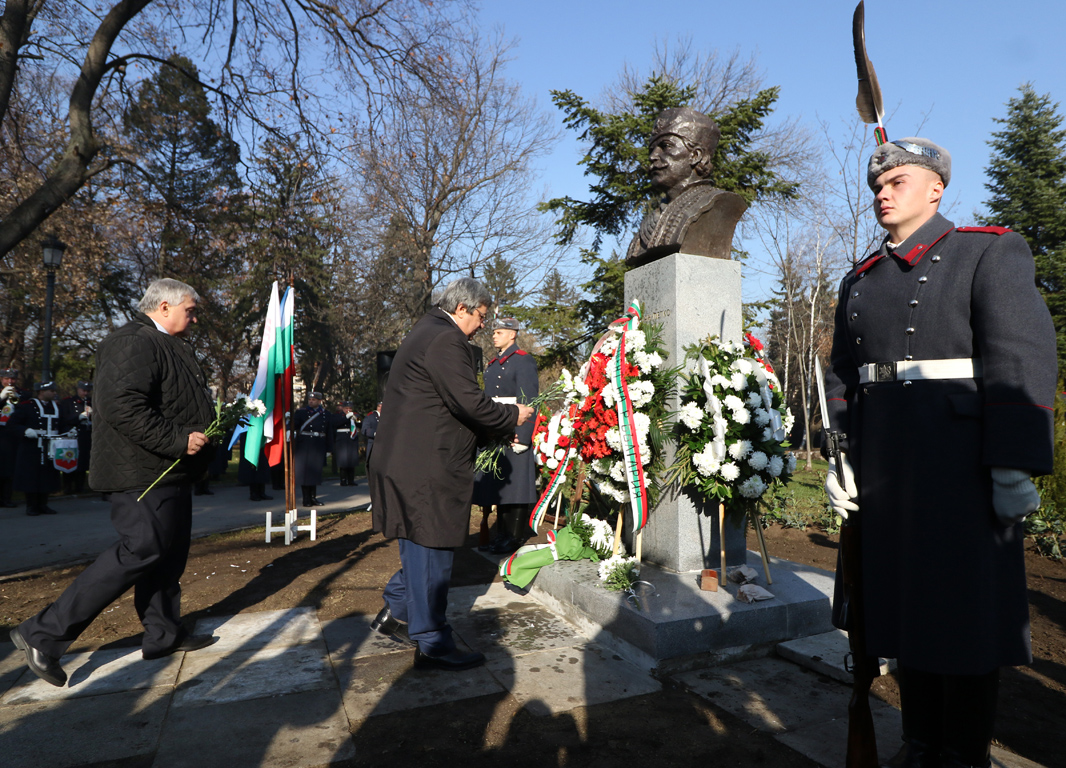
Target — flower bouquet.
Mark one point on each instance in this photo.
(227, 416)
(732, 425)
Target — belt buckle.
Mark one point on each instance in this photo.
(885, 371)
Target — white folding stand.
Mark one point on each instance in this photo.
(290, 526)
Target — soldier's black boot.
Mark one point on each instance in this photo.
(307, 491)
(32, 508)
(922, 703)
(511, 523)
(520, 530)
(7, 488)
(969, 718)
(314, 497)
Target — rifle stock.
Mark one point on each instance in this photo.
(862, 741)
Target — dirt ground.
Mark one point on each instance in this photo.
(343, 573)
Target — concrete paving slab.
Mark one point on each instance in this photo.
(266, 672)
(95, 673)
(515, 628)
(462, 600)
(825, 655)
(261, 629)
(12, 666)
(351, 638)
(302, 730)
(381, 684)
(560, 679)
(771, 694)
(826, 742)
(84, 731)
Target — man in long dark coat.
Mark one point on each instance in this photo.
(78, 409)
(38, 420)
(312, 441)
(943, 378)
(10, 396)
(510, 377)
(346, 442)
(152, 406)
(422, 472)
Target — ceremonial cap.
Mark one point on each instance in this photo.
(41, 385)
(909, 151)
(9, 373)
(317, 396)
(85, 384)
(507, 324)
(347, 404)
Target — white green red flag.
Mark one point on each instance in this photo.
(273, 380)
(634, 466)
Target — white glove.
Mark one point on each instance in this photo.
(351, 416)
(1013, 495)
(30, 433)
(840, 500)
(519, 448)
(8, 393)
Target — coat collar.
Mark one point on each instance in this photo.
(503, 356)
(911, 250)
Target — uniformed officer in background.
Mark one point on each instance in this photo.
(369, 429)
(38, 420)
(942, 377)
(346, 442)
(312, 442)
(510, 377)
(78, 409)
(10, 396)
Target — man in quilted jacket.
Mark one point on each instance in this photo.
(151, 408)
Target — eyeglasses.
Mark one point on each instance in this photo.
(481, 315)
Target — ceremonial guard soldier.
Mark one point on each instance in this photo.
(510, 377)
(10, 396)
(369, 429)
(312, 438)
(78, 410)
(38, 421)
(346, 442)
(942, 379)
(255, 476)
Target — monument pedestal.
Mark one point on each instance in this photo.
(692, 297)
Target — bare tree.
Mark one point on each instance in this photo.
(450, 149)
(251, 55)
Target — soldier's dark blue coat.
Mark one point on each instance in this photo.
(512, 373)
(345, 441)
(34, 470)
(944, 580)
(312, 440)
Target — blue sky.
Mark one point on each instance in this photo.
(951, 63)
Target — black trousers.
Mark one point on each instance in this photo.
(150, 556)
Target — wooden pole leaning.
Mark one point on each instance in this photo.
(757, 522)
(721, 539)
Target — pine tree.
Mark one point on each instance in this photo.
(1027, 179)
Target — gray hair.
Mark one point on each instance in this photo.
(166, 289)
(465, 291)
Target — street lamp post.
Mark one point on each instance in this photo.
(52, 255)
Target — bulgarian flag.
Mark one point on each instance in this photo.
(273, 380)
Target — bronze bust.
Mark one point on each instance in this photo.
(692, 216)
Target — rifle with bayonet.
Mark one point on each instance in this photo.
(862, 741)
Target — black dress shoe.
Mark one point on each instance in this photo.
(452, 662)
(30, 511)
(47, 510)
(40, 663)
(316, 503)
(190, 643)
(387, 624)
(504, 546)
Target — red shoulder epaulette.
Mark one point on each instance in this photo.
(520, 352)
(986, 230)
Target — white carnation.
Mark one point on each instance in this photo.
(718, 380)
(758, 460)
(754, 399)
(618, 472)
(655, 360)
(738, 381)
(642, 422)
(762, 417)
(740, 449)
(743, 365)
(733, 403)
(691, 416)
(753, 487)
(730, 471)
(613, 439)
(767, 434)
(775, 466)
(791, 463)
(610, 395)
(705, 462)
(560, 454)
(743, 416)
(552, 463)
(635, 340)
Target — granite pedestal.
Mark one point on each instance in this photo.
(692, 297)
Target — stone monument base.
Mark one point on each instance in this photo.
(675, 625)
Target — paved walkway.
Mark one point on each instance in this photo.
(282, 688)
